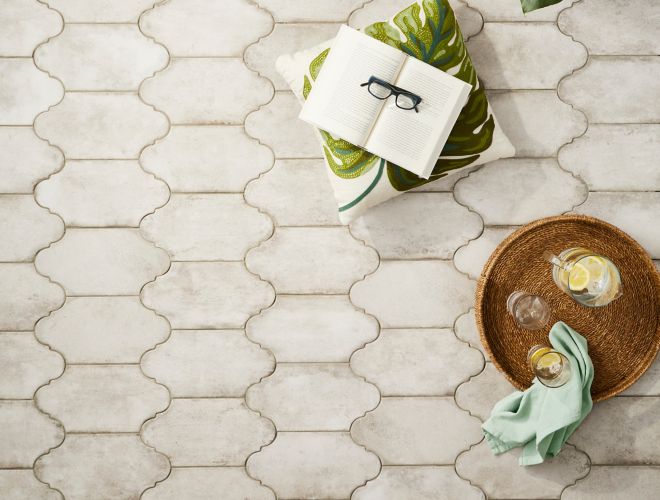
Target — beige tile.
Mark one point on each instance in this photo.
(22, 485)
(648, 384)
(286, 39)
(615, 157)
(102, 261)
(102, 11)
(206, 90)
(104, 467)
(396, 230)
(537, 122)
(207, 158)
(208, 295)
(207, 227)
(313, 465)
(318, 397)
(208, 432)
(465, 329)
(635, 213)
(25, 296)
(202, 483)
(102, 329)
(25, 91)
(101, 125)
(517, 191)
(425, 362)
(312, 328)
(479, 394)
(510, 10)
(472, 257)
(24, 25)
(621, 431)
(208, 363)
(633, 26)
(25, 159)
(501, 477)
(603, 89)
(310, 10)
(415, 294)
(416, 431)
(418, 483)
(614, 483)
(25, 433)
(304, 180)
(101, 57)
(277, 125)
(312, 260)
(26, 365)
(25, 227)
(102, 193)
(375, 11)
(206, 27)
(102, 398)
(524, 55)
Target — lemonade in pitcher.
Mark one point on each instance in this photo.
(591, 279)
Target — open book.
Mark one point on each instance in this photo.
(340, 105)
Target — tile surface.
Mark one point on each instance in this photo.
(102, 329)
(405, 431)
(207, 363)
(102, 466)
(208, 432)
(206, 227)
(108, 57)
(24, 25)
(313, 465)
(116, 193)
(16, 213)
(303, 397)
(183, 317)
(206, 27)
(26, 365)
(127, 398)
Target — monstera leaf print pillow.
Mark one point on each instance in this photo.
(428, 31)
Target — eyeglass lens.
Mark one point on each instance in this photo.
(380, 91)
(405, 101)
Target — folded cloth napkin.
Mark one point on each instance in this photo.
(541, 419)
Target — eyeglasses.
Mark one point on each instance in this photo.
(380, 89)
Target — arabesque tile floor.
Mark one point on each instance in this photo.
(182, 315)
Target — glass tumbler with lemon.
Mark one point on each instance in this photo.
(590, 279)
(550, 367)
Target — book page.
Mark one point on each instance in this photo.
(337, 103)
(414, 140)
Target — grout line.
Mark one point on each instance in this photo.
(258, 244)
(60, 166)
(169, 196)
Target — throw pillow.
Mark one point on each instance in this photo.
(428, 31)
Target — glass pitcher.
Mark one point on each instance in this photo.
(589, 278)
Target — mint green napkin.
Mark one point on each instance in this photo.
(541, 419)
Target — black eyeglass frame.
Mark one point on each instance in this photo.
(394, 91)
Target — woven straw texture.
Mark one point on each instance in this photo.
(623, 337)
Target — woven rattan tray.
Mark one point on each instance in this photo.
(623, 337)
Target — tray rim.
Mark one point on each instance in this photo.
(508, 241)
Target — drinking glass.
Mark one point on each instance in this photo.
(529, 311)
(550, 367)
(589, 278)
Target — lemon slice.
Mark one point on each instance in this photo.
(590, 268)
(549, 360)
(537, 354)
(579, 277)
